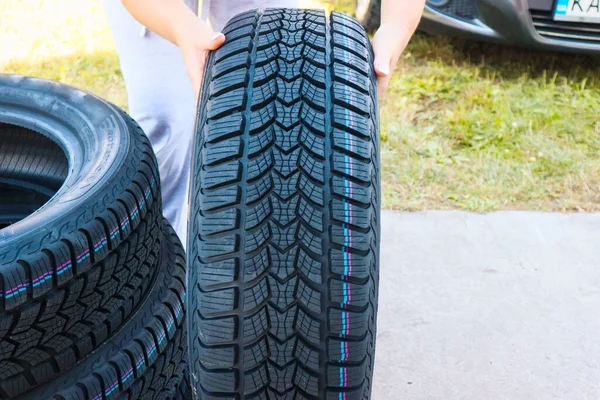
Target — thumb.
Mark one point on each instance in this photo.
(215, 41)
(383, 66)
(196, 61)
(383, 55)
(383, 62)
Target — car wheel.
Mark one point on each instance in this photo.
(368, 12)
(81, 227)
(284, 225)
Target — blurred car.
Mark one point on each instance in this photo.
(568, 25)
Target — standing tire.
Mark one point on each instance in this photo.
(368, 13)
(80, 231)
(284, 225)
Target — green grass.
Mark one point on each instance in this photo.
(487, 127)
(464, 125)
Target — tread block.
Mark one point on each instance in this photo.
(285, 212)
(308, 327)
(15, 285)
(218, 381)
(309, 297)
(256, 379)
(347, 324)
(341, 351)
(350, 76)
(228, 103)
(218, 331)
(256, 354)
(222, 151)
(308, 356)
(345, 187)
(283, 263)
(219, 246)
(256, 295)
(220, 221)
(351, 238)
(235, 62)
(261, 141)
(216, 357)
(217, 273)
(263, 93)
(282, 353)
(258, 214)
(222, 174)
(311, 215)
(219, 198)
(285, 188)
(348, 294)
(259, 165)
(286, 164)
(256, 265)
(350, 97)
(225, 127)
(348, 213)
(309, 267)
(255, 326)
(307, 381)
(349, 166)
(282, 323)
(217, 302)
(282, 294)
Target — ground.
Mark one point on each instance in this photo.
(464, 125)
(499, 306)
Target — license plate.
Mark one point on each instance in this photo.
(577, 10)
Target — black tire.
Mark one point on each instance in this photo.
(73, 271)
(146, 357)
(368, 13)
(32, 170)
(285, 211)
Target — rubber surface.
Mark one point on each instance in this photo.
(32, 170)
(284, 228)
(32, 159)
(145, 359)
(368, 14)
(72, 272)
(17, 202)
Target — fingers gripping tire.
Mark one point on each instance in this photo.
(284, 229)
(72, 272)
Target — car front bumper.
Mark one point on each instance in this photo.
(523, 22)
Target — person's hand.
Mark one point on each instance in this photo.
(388, 44)
(177, 23)
(195, 39)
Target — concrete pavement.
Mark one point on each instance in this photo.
(495, 306)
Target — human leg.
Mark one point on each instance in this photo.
(162, 101)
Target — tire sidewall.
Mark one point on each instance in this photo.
(96, 142)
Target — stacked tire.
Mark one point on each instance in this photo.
(284, 226)
(92, 278)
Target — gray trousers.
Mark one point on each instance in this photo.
(160, 95)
